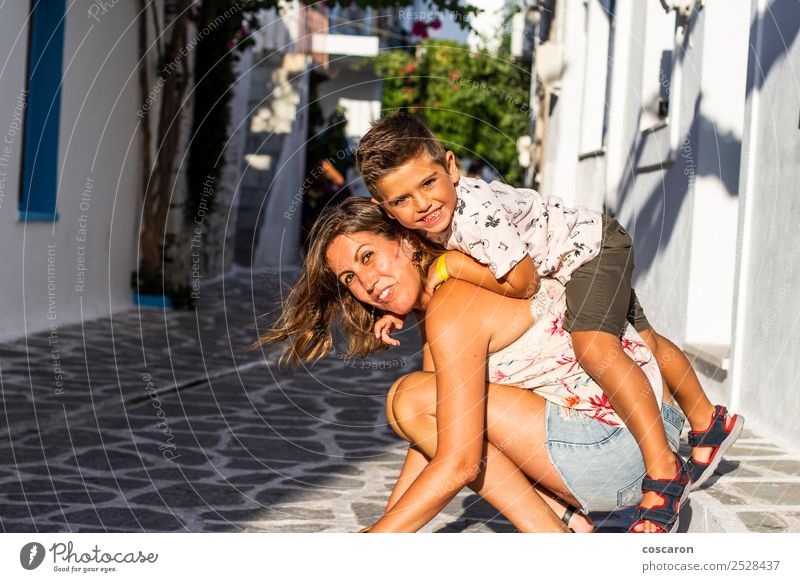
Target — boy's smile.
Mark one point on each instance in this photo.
(421, 194)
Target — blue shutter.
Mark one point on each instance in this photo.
(40, 150)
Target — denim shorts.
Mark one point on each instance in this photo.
(601, 464)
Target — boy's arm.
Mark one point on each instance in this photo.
(521, 282)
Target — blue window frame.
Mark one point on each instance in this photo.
(39, 189)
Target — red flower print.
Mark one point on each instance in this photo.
(567, 358)
(628, 345)
(601, 407)
(556, 326)
(498, 376)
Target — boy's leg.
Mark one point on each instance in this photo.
(684, 386)
(632, 397)
(599, 298)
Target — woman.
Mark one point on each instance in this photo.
(493, 437)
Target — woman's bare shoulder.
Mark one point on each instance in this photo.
(464, 307)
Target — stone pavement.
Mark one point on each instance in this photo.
(166, 421)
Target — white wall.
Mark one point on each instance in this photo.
(278, 244)
(709, 193)
(766, 366)
(98, 141)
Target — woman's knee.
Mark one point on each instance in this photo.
(408, 398)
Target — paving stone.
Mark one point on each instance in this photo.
(33, 486)
(18, 527)
(751, 450)
(738, 469)
(126, 518)
(332, 482)
(198, 495)
(763, 522)
(105, 459)
(25, 510)
(765, 492)
(778, 466)
(281, 512)
(349, 470)
(285, 494)
(65, 497)
(367, 513)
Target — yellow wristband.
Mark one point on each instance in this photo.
(441, 268)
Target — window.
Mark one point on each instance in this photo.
(40, 150)
(657, 77)
(599, 25)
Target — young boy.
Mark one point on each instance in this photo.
(517, 235)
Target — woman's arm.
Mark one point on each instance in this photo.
(413, 465)
(427, 357)
(459, 339)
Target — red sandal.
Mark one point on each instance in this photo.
(720, 436)
(673, 493)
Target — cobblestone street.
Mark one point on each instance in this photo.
(168, 422)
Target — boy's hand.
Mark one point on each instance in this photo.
(434, 278)
(386, 325)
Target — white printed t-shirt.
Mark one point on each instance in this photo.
(497, 225)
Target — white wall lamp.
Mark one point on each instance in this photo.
(682, 7)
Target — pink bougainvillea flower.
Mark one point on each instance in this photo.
(436, 24)
(419, 29)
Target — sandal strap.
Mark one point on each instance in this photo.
(715, 434)
(672, 489)
(672, 492)
(660, 516)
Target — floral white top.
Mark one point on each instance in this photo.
(543, 360)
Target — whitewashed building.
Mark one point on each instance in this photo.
(682, 119)
(296, 41)
(70, 187)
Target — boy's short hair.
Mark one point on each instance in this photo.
(390, 143)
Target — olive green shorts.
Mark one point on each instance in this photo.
(599, 294)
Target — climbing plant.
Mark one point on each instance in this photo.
(475, 103)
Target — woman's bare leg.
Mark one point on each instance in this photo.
(411, 409)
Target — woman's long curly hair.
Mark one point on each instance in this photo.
(318, 301)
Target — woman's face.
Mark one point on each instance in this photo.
(376, 270)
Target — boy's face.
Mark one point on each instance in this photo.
(421, 194)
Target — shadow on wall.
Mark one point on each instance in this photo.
(660, 208)
(658, 213)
